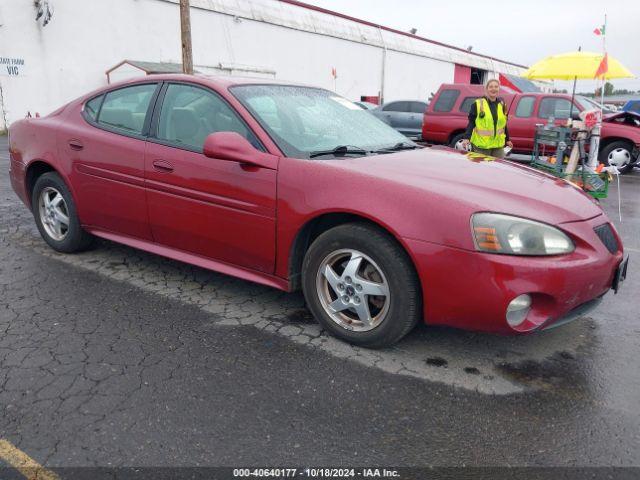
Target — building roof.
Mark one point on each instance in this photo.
(151, 67)
(518, 83)
(393, 30)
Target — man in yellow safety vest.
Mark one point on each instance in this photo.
(487, 128)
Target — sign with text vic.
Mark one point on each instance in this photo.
(11, 66)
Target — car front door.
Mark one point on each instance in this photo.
(415, 118)
(218, 209)
(106, 154)
(395, 114)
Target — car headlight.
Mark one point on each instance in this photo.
(497, 233)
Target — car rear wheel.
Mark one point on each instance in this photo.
(361, 286)
(55, 215)
(456, 142)
(619, 154)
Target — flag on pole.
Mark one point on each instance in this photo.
(600, 30)
(334, 73)
(603, 68)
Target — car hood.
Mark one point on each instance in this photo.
(472, 182)
(622, 120)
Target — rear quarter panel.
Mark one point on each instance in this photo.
(32, 140)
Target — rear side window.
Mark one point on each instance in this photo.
(126, 108)
(525, 107)
(417, 107)
(446, 100)
(92, 106)
(396, 107)
(465, 106)
(556, 107)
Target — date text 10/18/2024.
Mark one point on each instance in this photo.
(315, 472)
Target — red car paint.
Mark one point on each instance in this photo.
(250, 219)
(442, 127)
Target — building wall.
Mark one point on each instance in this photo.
(69, 56)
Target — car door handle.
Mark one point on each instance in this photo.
(162, 166)
(76, 145)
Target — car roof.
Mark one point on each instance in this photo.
(405, 100)
(219, 81)
(475, 89)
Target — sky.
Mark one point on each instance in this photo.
(520, 31)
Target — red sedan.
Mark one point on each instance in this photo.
(296, 187)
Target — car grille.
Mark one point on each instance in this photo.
(605, 233)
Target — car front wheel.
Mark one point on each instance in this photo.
(618, 153)
(361, 286)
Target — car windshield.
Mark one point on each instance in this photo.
(305, 122)
(589, 104)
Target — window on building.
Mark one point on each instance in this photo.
(465, 106)
(556, 107)
(478, 76)
(189, 114)
(126, 108)
(92, 106)
(525, 107)
(396, 107)
(446, 100)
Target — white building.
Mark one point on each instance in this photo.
(43, 67)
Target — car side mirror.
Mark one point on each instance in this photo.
(233, 147)
(575, 115)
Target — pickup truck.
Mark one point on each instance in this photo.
(445, 121)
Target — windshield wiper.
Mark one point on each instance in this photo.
(399, 146)
(340, 150)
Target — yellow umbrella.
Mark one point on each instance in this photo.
(572, 65)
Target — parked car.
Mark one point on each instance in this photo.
(446, 119)
(632, 106)
(294, 187)
(403, 115)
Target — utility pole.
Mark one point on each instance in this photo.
(185, 25)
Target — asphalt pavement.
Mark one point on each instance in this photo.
(115, 357)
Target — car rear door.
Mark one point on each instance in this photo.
(442, 120)
(106, 155)
(218, 209)
(522, 123)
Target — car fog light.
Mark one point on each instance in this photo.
(518, 309)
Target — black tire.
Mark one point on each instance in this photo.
(75, 238)
(404, 300)
(620, 146)
(456, 139)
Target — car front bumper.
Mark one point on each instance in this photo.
(471, 290)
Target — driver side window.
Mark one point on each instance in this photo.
(557, 107)
(189, 114)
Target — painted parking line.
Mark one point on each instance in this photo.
(22, 462)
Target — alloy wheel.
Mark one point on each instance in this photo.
(54, 213)
(353, 290)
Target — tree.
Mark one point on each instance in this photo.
(608, 90)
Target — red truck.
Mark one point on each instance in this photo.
(445, 121)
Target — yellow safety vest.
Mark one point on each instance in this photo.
(484, 135)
